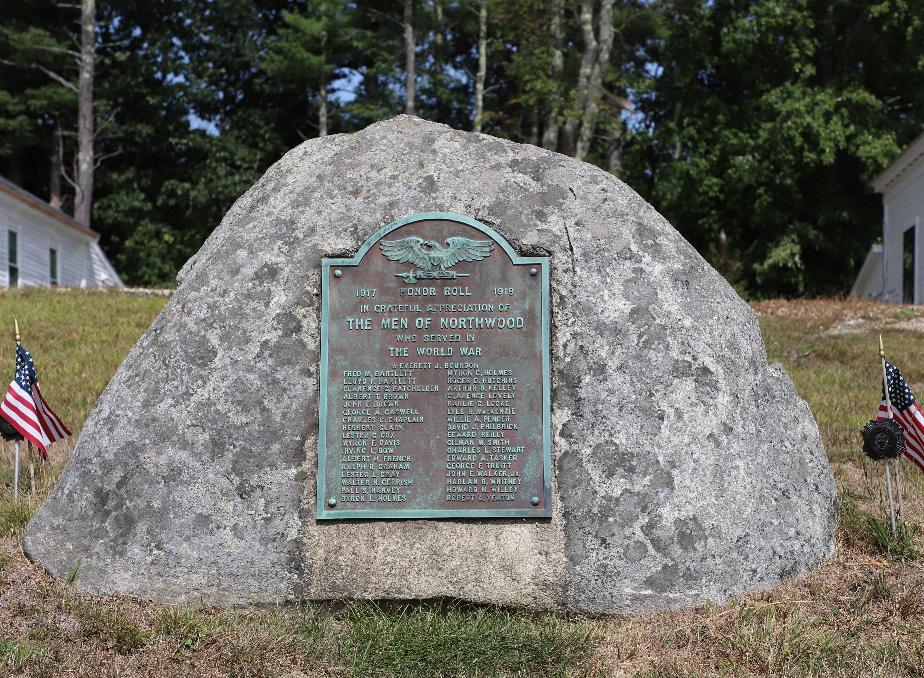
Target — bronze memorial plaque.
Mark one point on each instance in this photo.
(435, 397)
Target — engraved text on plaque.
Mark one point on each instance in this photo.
(435, 397)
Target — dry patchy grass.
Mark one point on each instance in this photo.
(860, 614)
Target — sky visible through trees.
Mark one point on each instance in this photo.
(754, 126)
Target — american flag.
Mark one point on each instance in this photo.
(26, 409)
(906, 412)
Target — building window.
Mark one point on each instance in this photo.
(908, 266)
(53, 266)
(12, 253)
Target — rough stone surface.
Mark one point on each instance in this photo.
(686, 468)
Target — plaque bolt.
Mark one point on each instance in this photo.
(534, 272)
(332, 502)
(338, 273)
(534, 501)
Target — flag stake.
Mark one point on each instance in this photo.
(898, 461)
(898, 487)
(31, 470)
(16, 462)
(891, 505)
(888, 475)
(885, 379)
(16, 475)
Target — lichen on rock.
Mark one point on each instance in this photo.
(685, 468)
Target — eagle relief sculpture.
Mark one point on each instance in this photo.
(432, 260)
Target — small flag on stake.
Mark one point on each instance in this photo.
(906, 412)
(26, 410)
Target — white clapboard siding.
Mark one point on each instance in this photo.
(39, 228)
(902, 187)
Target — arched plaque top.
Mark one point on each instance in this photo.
(437, 216)
(435, 393)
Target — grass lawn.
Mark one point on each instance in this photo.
(860, 614)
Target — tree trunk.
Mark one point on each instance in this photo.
(614, 151)
(322, 107)
(56, 197)
(550, 133)
(586, 20)
(677, 148)
(83, 200)
(322, 85)
(439, 38)
(595, 82)
(532, 129)
(439, 51)
(482, 64)
(14, 169)
(410, 55)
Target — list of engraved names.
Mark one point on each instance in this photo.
(434, 387)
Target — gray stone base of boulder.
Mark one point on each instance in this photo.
(686, 468)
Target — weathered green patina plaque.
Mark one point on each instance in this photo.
(435, 395)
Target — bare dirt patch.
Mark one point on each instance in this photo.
(847, 316)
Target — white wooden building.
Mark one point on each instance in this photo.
(41, 245)
(894, 270)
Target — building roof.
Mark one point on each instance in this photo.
(911, 157)
(36, 203)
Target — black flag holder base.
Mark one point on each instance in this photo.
(883, 439)
(8, 432)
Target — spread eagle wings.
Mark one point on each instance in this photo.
(407, 250)
(410, 250)
(464, 249)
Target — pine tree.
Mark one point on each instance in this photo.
(307, 50)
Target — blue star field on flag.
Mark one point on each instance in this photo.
(899, 393)
(25, 369)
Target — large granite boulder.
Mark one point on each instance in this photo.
(685, 467)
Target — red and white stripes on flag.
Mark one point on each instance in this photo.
(26, 410)
(19, 409)
(54, 428)
(912, 420)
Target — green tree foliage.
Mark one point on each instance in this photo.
(196, 124)
(306, 52)
(755, 126)
(35, 56)
(763, 124)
